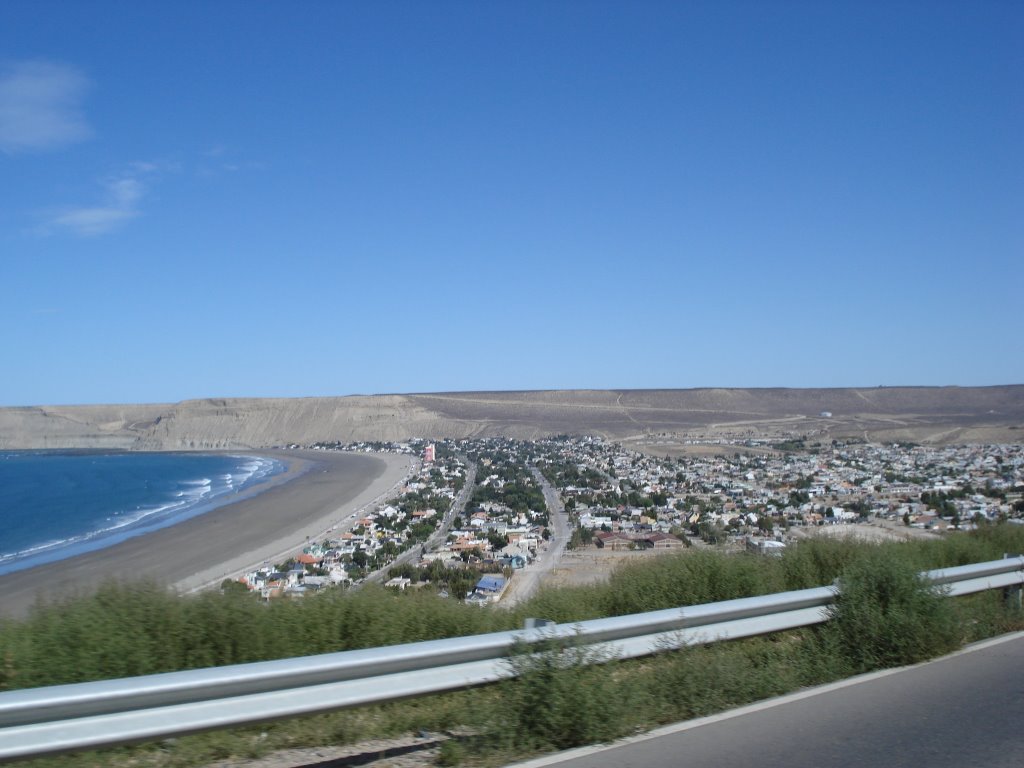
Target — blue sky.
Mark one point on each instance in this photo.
(212, 199)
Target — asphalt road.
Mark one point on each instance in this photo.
(526, 581)
(962, 711)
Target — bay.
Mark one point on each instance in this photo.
(58, 504)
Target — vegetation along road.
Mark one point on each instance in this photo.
(960, 710)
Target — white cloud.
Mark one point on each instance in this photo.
(120, 201)
(220, 159)
(40, 107)
(88, 222)
(124, 193)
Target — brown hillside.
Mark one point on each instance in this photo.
(924, 414)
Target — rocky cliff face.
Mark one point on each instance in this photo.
(940, 414)
(74, 426)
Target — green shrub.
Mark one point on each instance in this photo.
(564, 605)
(451, 753)
(701, 680)
(560, 698)
(141, 628)
(819, 560)
(688, 578)
(886, 615)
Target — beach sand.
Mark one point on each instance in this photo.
(319, 491)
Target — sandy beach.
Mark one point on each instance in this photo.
(320, 491)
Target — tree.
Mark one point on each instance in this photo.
(712, 533)
(232, 587)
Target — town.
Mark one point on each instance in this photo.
(478, 517)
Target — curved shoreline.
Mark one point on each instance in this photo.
(124, 520)
(317, 491)
(348, 504)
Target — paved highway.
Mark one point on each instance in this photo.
(961, 711)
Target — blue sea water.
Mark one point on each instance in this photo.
(55, 504)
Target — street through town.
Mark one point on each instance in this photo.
(526, 581)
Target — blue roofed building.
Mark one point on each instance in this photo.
(490, 588)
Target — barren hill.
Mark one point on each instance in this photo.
(923, 414)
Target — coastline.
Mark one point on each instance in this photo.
(318, 491)
(337, 516)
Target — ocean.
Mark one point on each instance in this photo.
(57, 504)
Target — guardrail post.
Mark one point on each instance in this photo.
(1012, 595)
(538, 623)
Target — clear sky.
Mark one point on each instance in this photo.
(215, 199)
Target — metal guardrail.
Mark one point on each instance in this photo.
(35, 722)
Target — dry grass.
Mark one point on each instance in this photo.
(873, 532)
(591, 565)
